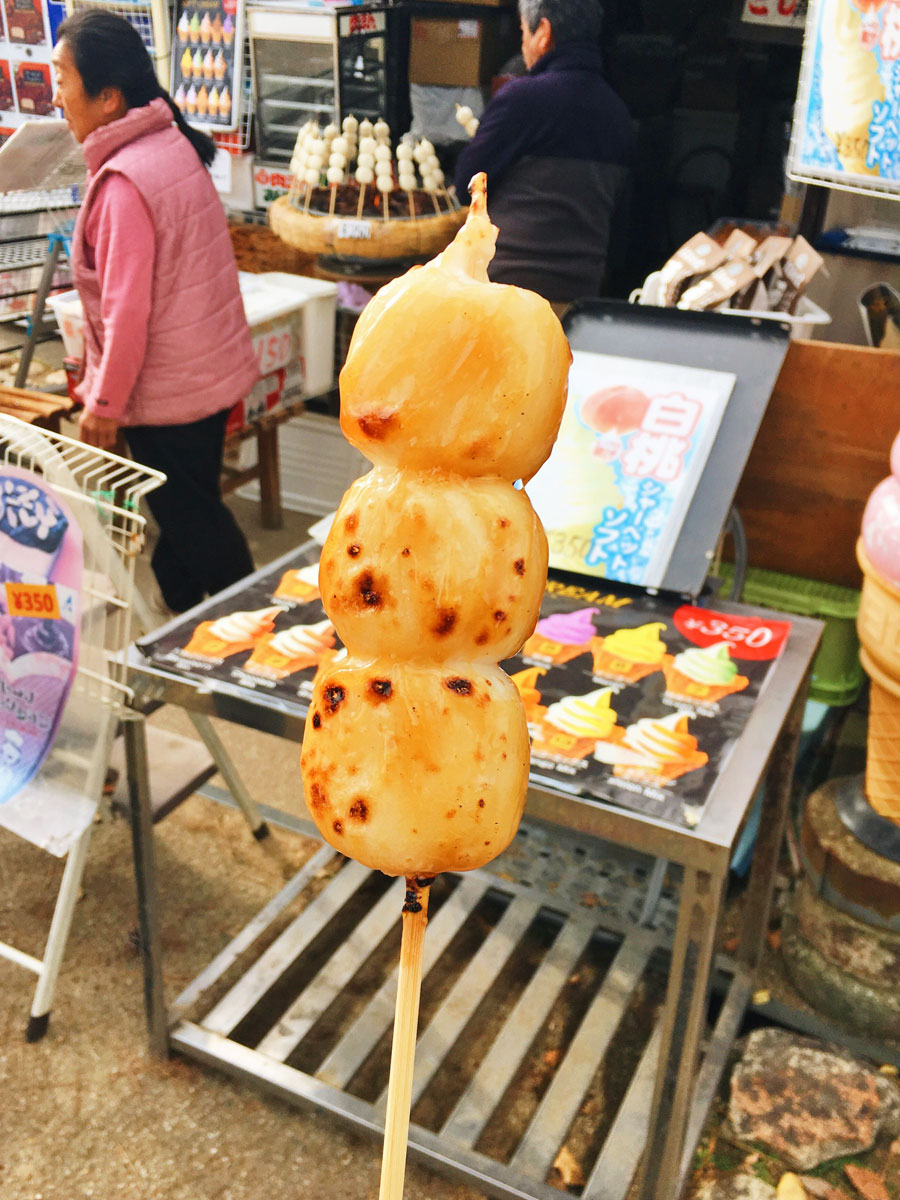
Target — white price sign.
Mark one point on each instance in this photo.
(788, 14)
(361, 230)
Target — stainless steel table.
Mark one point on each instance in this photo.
(561, 855)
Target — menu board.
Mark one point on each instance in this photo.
(630, 698)
(207, 61)
(846, 130)
(635, 437)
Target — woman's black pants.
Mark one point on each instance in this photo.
(201, 548)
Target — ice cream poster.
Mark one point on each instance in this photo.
(40, 582)
(847, 118)
(637, 701)
(635, 437)
(207, 61)
(270, 636)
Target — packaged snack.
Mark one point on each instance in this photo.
(698, 256)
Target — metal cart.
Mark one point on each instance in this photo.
(266, 1021)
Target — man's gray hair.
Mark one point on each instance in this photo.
(570, 20)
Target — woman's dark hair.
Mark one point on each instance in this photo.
(108, 52)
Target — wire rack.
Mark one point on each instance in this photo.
(149, 17)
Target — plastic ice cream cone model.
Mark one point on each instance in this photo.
(850, 86)
(703, 674)
(278, 655)
(629, 654)
(435, 566)
(572, 726)
(300, 585)
(562, 636)
(529, 693)
(653, 750)
(230, 635)
(878, 625)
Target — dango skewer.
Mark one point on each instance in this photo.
(334, 175)
(385, 184)
(407, 183)
(364, 176)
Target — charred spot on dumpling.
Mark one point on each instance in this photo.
(334, 697)
(405, 551)
(462, 687)
(351, 521)
(381, 688)
(482, 637)
(338, 827)
(316, 720)
(353, 550)
(481, 803)
(499, 615)
(451, 812)
(376, 426)
(359, 810)
(370, 591)
(318, 798)
(503, 522)
(446, 619)
(519, 566)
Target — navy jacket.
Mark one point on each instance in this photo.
(557, 145)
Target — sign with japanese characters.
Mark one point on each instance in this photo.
(40, 589)
(634, 440)
(846, 130)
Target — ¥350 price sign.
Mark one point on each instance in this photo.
(32, 600)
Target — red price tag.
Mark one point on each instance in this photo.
(32, 600)
(749, 637)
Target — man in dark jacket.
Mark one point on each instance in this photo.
(557, 145)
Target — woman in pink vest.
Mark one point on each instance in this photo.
(167, 346)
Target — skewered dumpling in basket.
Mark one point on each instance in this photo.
(428, 566)
(448, 370)
(412, 770)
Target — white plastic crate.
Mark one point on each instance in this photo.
(291, 318)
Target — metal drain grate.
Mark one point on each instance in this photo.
(524, 990)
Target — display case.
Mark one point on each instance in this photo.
(324, 64)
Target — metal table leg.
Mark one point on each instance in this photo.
(141, 818)
(683, 1024)
(229, 772)
(775, 808)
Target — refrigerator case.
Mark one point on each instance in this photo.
(324, 65)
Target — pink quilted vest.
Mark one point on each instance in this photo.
(199, 356)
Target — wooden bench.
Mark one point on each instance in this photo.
(37, 408)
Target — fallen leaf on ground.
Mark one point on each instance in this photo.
(867, 1183)
(821, 1189)
(569, 1169)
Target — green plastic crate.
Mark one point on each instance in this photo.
(837, 672)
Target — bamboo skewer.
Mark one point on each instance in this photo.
(362, 200)
(403, 1046)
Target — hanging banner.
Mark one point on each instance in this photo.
(846, 130)
(40, 588)
(207, 61)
